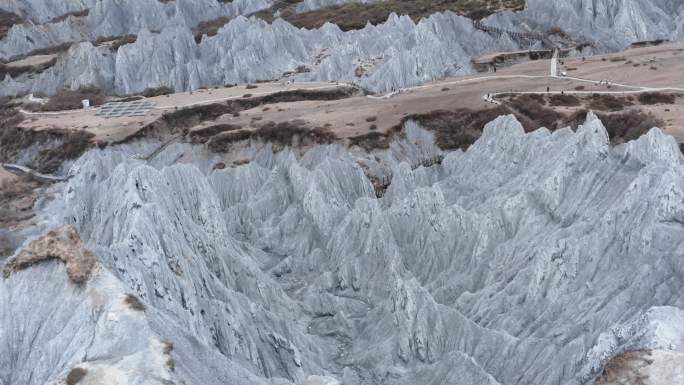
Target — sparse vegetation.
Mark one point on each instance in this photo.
(650, 98)
(240, 162)
(134, 302)
(15, 71)
(16, 202)
(115, 42)
(204, 134)
(629, 125)
(621, 126)
(209, 27)
(55, 49)
(13, 140)
(75, 376)
(606, 102)
(170, 362)
(564, 100)
(157, 91)
(66, 99)
(626, 368)
(283, 134)
(371, 141)
(538, 115)
(456, 129)
(356, 15)
(82, 13)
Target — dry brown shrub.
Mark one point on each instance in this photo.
(134, 302)
(650, 98)
(157, 91)
(75, 376)
(606, 102)
(564, 100)
(66, 99)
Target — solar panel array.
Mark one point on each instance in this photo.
(120, 109)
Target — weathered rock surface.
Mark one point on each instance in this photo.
(528, 259)
(607, 24)
(109, 18)
(395, 54)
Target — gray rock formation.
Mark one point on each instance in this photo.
(395, 54)
(528, 259)
(109, 18)
(608, 24)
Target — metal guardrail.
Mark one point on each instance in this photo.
(514, 34)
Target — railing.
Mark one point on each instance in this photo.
(514, 34)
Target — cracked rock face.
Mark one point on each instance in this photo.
(528, 259)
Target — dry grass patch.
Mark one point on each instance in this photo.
(15, 71)
(66, 99)
(16, 203)
(157, 91)
(355, 15)
(564, 100)
(606, 102)
(283, 134)
(621, 126)
(626, 369)
(75, 376)
(651, 98)
(209, 27)
(537, 115)
(14, 140)
(456, 129)
(371, 141)
(115, 42)
(202, 135)
(134, 302)
(170, 362)
(219, 137)
(52, 50)
(82, 13)
(63, 244)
